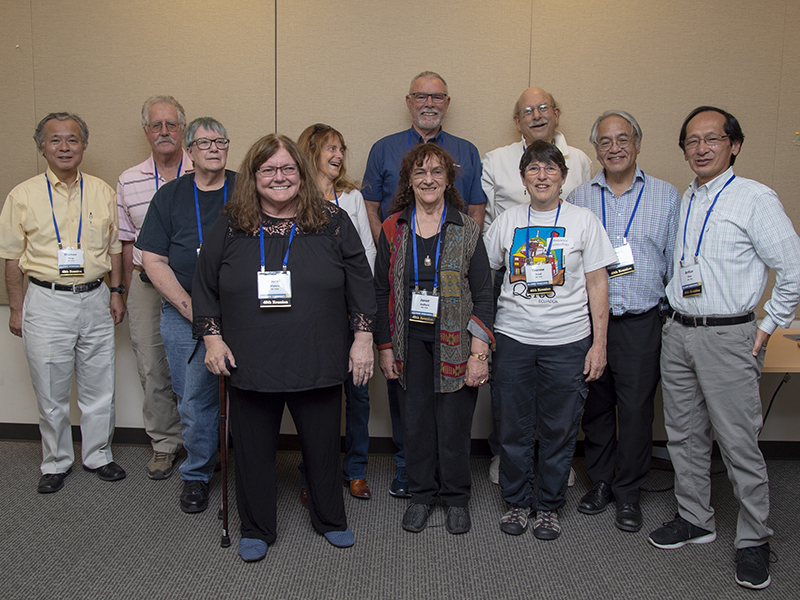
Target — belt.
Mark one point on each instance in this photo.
(77, 288)
(689, 321)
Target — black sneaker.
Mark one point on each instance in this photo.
(416, 517)
(194, 498)
(679, 532)
(399, 487)
(752, 567)
(515, 521)
(458, 520)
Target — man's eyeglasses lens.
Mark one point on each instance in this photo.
(605, 145)
(156, 126)
(528, 110)
(711, 140)
(421, 97)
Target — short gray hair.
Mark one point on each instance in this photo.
(38, 135)
(637, 131)
(208, 123)
(160, 99)
(427, 75)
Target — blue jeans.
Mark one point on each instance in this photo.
(356, 440)
(544, 388)
(198, 395)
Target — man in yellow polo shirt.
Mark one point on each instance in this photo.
(60, 230)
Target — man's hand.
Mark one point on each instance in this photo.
(117, 308)
(762, 337)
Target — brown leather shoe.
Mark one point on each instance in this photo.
(359, 489)
(304, 497)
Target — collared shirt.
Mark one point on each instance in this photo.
(651, 236)
(135, 189)
(503, 185)
(27, 232)
(383, 167)
(747, 234)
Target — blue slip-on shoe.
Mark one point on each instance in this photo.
(252, 550)
(341, 539)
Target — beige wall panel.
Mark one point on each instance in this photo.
(787, 140)
(349, 64)
(214, 60)
(659, 60)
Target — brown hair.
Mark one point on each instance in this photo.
(244, 208)
(312, 141)
(415, 158)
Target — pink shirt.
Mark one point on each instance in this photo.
(135, 188)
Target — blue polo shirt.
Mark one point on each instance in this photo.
(386, 155)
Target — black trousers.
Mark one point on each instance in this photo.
(256, 423)
(435, 424)
(623, 397)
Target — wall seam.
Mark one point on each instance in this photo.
(776, 147)
(530, 48)
(275, 82)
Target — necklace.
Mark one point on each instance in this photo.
(427, 261)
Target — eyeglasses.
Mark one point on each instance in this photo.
(550, 170)
(710, 140)
(606, 144)
(205, 143)
(422, 97)
(156, 126)
(528, 110)
(287, 170)
(436, 173)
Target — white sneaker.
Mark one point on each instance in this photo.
(571, 480)
(494, 470)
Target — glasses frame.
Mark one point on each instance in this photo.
(422, 97)
(549, 169)
(712, 141)
(543, 109)
(606, 144)
(171, 126)
(216, 142)
(294, 168)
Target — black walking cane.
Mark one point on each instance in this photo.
(223, 436)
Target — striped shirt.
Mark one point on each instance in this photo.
(651, 236)
(135, 189)
(747, 234)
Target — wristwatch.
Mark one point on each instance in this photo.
(479, 355)
(120, 289)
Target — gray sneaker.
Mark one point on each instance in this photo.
(515, 521)
(546, 525)
(161, 465)
(416, 517)
(458, 520)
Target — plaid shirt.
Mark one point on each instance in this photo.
(651, 236)
(747, 234)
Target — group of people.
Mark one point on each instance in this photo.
(584, 291)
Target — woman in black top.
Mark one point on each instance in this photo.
(276, 280)
(434, 292)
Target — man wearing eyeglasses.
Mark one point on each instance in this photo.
(640, 215)
(59, 229)
(171, 239)
(427, 102)
(163, 122)
(732, 231)
(536, 117)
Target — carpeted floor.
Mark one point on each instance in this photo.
(129, 540)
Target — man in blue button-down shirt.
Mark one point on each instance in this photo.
(640, 215)
(427, 102)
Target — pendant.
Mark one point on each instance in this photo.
(427, 261)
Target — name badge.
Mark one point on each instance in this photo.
(424, 307)
(691, 280)
(624, 261)
(70, 261)
(539, 277)
(274, 289)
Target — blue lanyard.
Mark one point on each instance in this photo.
(53, 211)
(155, 168)
(528, 257)
(705, 222)
(286, 256)
(636, 206)
(197, 206)
(438, 247)
(441, 143)
(335, 197)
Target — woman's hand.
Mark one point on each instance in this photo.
(388, 363)
(477, 372)
(361, 358)
(216, 353)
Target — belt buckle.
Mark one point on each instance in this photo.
(79, 288)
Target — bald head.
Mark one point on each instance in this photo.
(536, 115)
